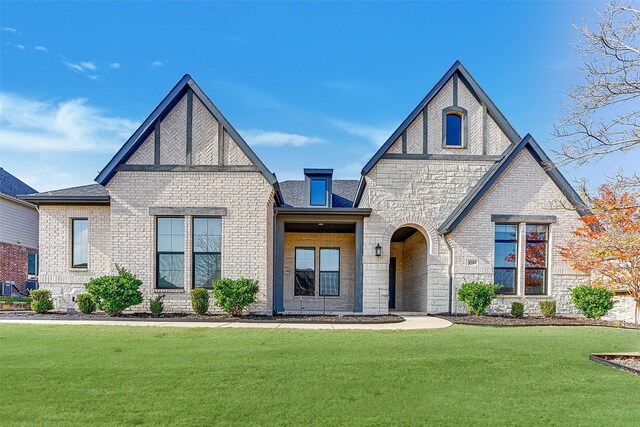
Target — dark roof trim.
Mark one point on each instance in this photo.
(456, 69)
(187, 168)
(311, 171)
(41, 199)
(159, 112)
(481, 187)
(361, 186)
(324, 211)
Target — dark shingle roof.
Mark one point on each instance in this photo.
(344, 192)
(10, 185)
(83, 190)
(90, 194)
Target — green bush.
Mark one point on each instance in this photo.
(114, 294)
(517, 309)
(156, 305)
(548, 308)
(477, 295)
(200, 300)
(41, 300)
(594, 302)
(86, 304)
(232, 296)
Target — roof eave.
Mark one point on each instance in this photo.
(65, 200)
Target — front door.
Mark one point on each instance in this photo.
(392, 283)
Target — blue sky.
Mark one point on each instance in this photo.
(306, 84)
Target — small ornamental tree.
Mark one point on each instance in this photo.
(200, 300)
(607, 243)
(113, 294)
(233, 296)
(41, 300)
(477, 295)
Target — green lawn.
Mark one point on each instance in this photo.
(463, 375)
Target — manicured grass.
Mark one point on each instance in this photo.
(463, 375)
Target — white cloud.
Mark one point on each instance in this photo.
(17, 45)
(115, 65)
(75, 67)
(41, 48)
(11, 30)
(377, 135)
(93, 77)
(28, 125)
(278, 139)
(157, 64)
(89, 66)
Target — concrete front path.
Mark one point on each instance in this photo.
(410, 323)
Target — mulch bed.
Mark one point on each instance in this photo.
(537, 321)
(627, 362)
(181, 317)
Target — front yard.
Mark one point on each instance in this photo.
(100, 375)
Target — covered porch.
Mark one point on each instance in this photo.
(318, 260)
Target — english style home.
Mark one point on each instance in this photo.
(455, 194)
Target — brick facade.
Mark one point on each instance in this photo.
(14, 260)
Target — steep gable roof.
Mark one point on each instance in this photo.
(461, 71)
(11, 186)
(160, 112)
(481, 187)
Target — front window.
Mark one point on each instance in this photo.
(207, 244)
(170, 253)
(305, 272)
(329, 272)
(318, 195)
(79, 243)
(535, 272)
(454, 129)
(505, 258)
(32, 265)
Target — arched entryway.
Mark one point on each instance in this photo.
(408, 270)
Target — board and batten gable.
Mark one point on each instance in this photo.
(18, 222)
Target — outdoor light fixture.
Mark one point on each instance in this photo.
(378, 250)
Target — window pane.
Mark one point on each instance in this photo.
(318, 192)
(170, 235)
(536, 232)
(534, 281)
(32, 268)
(80, 235)
(507, 278)
(506, 232)
(454, 129)
(536, 255)
(329, 283)
(207, 234)
(329, 259)
(505, 254)
(170, 271)
(206, 270)
(305, 272)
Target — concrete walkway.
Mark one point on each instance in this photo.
(410, 323)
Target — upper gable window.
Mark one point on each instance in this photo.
(453, 127)
(318, 196)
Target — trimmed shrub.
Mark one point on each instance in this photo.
(114, 294)
(200, 300)
(232, 296)
(41, 300)
(548, 308)
(477, 295)
(593, 301)
(156, 305)
(517, 309)
(86, 304)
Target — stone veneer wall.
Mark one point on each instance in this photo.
(411, 273)
(318, 304)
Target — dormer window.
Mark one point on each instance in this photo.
(454, 127)
(318, 195)
(318, 187)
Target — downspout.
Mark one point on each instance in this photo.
(273, 261)
(449, 272)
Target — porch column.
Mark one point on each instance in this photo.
(357, 292)
(278, 267)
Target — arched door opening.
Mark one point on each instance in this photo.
(408, 270)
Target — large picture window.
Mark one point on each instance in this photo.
(207, 248)
(305, 272)
(535, 272)
(170, 253)
(79, 243)
(329, 272)
(506, 258)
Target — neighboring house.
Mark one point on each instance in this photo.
(18, 233)
(455, 194)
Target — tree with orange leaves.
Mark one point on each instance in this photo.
(607, 244)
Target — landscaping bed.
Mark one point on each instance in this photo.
(537, 321)
(15, 303)
(627, 362)
(182, 317)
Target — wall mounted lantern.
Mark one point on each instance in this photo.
(378, 250)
